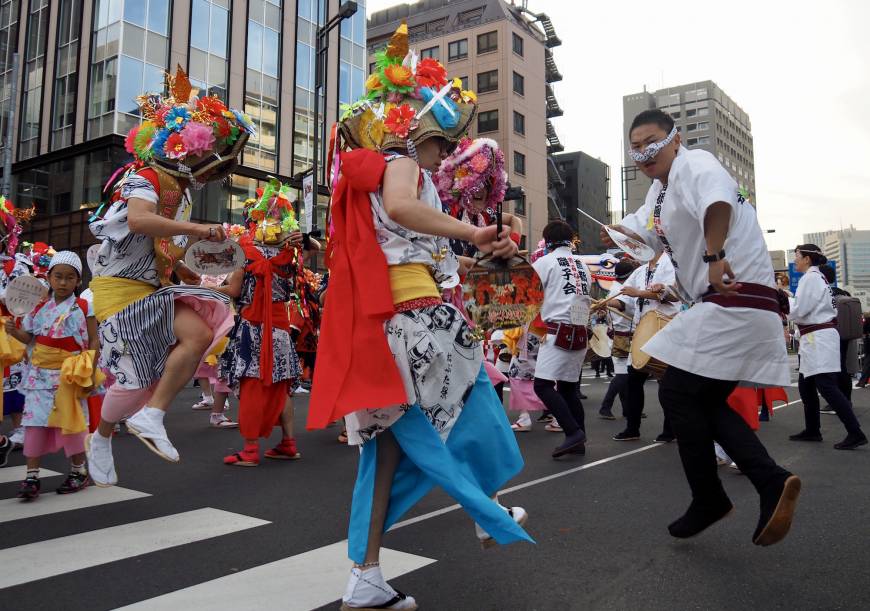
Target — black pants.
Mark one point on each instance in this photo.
(828, 385)
(634, 394)
(844, 380)
(865, 372)
(699, 413)
(499, 390)
(618, 386)
(563, 401)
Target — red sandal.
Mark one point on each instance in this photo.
(286, 450)
(248, 457)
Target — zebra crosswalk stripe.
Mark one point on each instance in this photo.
(15, 509)
(18, 473)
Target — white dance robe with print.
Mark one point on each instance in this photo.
(622, 322)
(813, 304)
(737, 344)
(560, 293)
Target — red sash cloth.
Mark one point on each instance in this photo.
(262, 310)
(355, 368)
(746, 401)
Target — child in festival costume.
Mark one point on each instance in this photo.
(402, 366)
(154, 338)
(261, 364)
(524, 343)
(62, 339)
(12, 265)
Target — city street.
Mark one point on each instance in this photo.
(202, 536)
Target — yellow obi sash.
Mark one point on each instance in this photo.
(111, 295)
(412, 281)
(78, 377)
(11, 352)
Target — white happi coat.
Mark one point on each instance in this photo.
(561, 292)
(738, 344)
(814, 304)
(622, 324)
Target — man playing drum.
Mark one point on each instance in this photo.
(694, 213)
(645, 293)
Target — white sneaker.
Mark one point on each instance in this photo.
(17, 437)
(147, 426)
(219, 421)
(300, 391)
(101, 463)
(367, 589)
(204, 403)
(520, 516)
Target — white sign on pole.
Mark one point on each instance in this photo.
(308, 199)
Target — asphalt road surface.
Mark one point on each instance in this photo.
(203, 536)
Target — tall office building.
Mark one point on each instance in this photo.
(504, 53)
(585, 185)
(83, 62)
(706, 119)
(850, 248)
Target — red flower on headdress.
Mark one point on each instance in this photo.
(211, 104)
(430, 73)
(222, 128)
(175, 147)
(399, 120)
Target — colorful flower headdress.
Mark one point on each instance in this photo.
(39, 254)
(474, 165)
(271, 217)
(407, 100)
(10, 223)
(187, 135)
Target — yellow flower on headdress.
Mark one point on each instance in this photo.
(469, 96)
(373, 83)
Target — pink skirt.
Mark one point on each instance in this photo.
(42, 440)
(523, 397)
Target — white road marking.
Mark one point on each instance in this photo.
(298, 583)
(18, 473)
(49, 502)
(54, 557)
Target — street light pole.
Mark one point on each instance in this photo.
(346, 10)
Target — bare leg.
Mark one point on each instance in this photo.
(220, 402)
(205, 387)
(287, 418)
(33, 462)
(16, 419)
(193, 339)
(389, 454)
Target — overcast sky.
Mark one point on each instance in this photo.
(800, 69)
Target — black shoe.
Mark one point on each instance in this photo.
(852, 441)
(663, 438)
(606, 414)
(597, 375)
(827, 410)
(73, 483)
(544, 417)
(777, 510)
(5, 451)
(806, 436)
(609, 375)
(698, 518)
(29, 488)
(643, 414)
(861, 384)
(626, 436)
(582, 396)
(571, 444)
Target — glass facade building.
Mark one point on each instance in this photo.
(83, 63)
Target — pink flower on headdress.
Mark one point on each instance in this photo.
(129, 141)
(479, 163)
(197, 138)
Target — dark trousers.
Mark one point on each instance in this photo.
(563, 401)
(618, 386)
(634, 394)
(844, 380)
(602, 365)
(699, 413)
(828, 385)
(865, 372)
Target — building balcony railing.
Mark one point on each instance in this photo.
(553, 143)
(549, 30)
(554, 178)
(552, 73)
(553, 108)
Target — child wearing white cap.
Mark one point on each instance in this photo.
(55, 416)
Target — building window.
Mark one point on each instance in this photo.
(691, 127)
(464, 80)
(519, 84)
(66, 73)
(487, 43)
(520, 205)
(8, 32)
(487, 121)
(34, 67)
(518, 44)
(262, 83)
(519, 123)
(692, 141)
(703, 111)
(209, 46)
(691, 112)
(519, 163)
(431, 52)
(487, 81)
(675, 115)
(702, 126)
(704, 140)
(458, 49)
